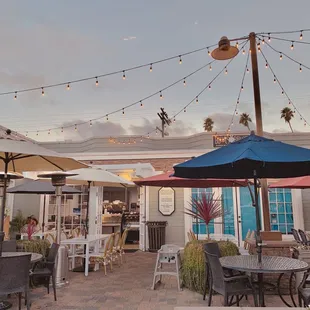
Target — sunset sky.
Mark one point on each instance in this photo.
(45, 42)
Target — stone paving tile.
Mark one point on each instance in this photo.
(126, 288)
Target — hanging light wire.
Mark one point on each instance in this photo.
(284, 92)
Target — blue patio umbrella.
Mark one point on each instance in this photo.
(252, 157)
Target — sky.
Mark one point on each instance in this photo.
(47, 42)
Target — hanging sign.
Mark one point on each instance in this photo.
(166, 201)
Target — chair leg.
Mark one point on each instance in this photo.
(299, 300)
(54, 286)
(205, 289)
(48, 285)
(19, 301)
(210, 297)
(238, 300)
(255, 299)
(27, 300)
(226, 303)
(105, 268)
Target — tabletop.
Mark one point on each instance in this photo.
(82, 240)
(35, 257)
(269, 264)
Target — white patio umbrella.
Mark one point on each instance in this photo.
(18, 154)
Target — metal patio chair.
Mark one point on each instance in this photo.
(303, 236)
(228, 286)
(14, 275)
(296, 235)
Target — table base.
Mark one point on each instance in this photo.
(5, 305)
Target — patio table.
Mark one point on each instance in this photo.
(88, 241)
(269, 264)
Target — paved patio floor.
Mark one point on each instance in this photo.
(126, 287)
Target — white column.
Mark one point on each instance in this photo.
(298, 211)
(188, 220)
(93, 205)
(142, 204)
(147, 215)
(218, 227)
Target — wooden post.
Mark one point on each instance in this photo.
(259, 125)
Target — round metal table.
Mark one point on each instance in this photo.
(269, 264)
(35, 257)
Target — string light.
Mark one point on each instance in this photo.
(292, 46)
(226, 71)
(151, 67)
(282, 92)
(209, 52)
(42, 92)
(300, 68)
(237, 44)
(266, 66)
(210, 68)
(156, 132)
(184, 110)
(97, 82)
(68, 86)
(247, 70)
(174, 119)
(243, 51)
(37, 133)
(90, 123)
(124, 75)
(242, 87)
(49, 131)
(274, 79)
(269, 37)
(300, 37)
(263, 40)
(184, 82)
(75, 127)
(15, 96)
(141, 104)
(196, 99)
(62, 129)
(180, 60)
(160, 95)
(107, 117)
(209, 86)
(123, 111)
(281, 56)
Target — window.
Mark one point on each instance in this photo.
(281, 210)
(228, 206)
(199, 227)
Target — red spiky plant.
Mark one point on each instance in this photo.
(205, 208)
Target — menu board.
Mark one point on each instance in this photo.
(166, 201)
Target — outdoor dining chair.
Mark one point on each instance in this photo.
(296, 235)
(304, 291)
(303, 237)
(228, 286)
(9, 246)
(15, 279)
(48, 270)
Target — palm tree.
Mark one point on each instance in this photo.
(245, 119)
(208, 124)
(287, 114)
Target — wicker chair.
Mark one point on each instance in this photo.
(48, 270)
(105, 258)
(9, 246)
(121, 248)
(15, 279)
(228, 287)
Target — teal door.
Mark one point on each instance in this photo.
(247, 211)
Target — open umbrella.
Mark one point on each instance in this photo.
(40, 188)
(95, 177)
(300, 182)
(18, 154)
(252, 157)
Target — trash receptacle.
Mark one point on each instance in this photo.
(157, 235)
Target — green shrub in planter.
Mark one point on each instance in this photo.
(35, 246)
(193, 264)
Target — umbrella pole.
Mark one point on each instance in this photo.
(43, 222)
(258, 223)
(3, 204)
(58, 204)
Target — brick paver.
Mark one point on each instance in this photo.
(127, 288)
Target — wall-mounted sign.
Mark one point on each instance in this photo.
(166, 201)
(222, 140)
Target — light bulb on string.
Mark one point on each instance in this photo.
(141, 104)
(300, 68)
(258, 46)
(247, 70)
(97, 82)
(289, 102)
(305, 124)
(15, 96)
(141, 139)
(237, 44)
(151, 67)
(37, 133)
(197, 99)
(68, 86)
(292, 45)
(180, 60)
(62, 129)
(242, 87)
(26, 133)
(274, 80)
(243, 51)
(75, 127)
(238, 101)
(49, 132)
(226, 71)
(90, 123)
(42, 91)
(123, 112)
(156, 132)
(124, 75)
(184, 110)
(269, 39)
(210, 68)
(184, 82)
(300, 37)
(107, 117)
(266, 66)
(209, 52)
(263, 40)
(160, 95)
(282, 92)
(301, 118)
(209, 86)
(148, 135)
(236, 112)
(281, 56)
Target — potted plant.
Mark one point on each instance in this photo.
(205, 208)
(17, 223)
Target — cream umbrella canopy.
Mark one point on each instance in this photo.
(18, 154)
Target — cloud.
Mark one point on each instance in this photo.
(222, 121)
(97, 129)
(177, 128)
(129, 38)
